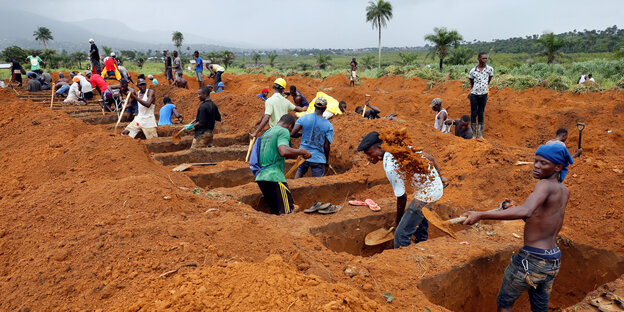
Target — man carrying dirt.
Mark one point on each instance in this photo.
(428, 188)
(535, 266)
(562, 136)
(480, 77)
(144, 121)
(94, 57)
(274, 149)
(207, 115)
(199, 68)
(353, 73)
(317, 134)
(441, 116)
(298, 98)
(462, 127)
(180, 82)
(276, 107)
(168, 67)
(216, 71)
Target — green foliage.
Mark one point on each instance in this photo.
(552, 45)
(557, 82)
(586, 87)
(394, 70)
(272, 56)
(256, 57)
(43, 34)
(620, 84)
(140, 62)
(78, 57)
(515, 82)
(129, 54)
(15, 52)
(322, 60)
(367, 61)
(227, 57)
(177, 38)
(107, 50)
(378, 14)
(304, 66)
(442, 40)
(407, 58)
(460, 55)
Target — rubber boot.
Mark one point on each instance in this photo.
(480, 136)
(474, 130)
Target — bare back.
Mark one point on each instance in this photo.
(542, 227)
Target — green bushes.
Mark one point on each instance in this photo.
(557, 83)
(516, 82)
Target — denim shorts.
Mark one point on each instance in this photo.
(541, 274)
(318, 169)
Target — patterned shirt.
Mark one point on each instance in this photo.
(481, 79)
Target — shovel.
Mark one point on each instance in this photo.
(183, 167)
(123, 110)
(580, 127)
(251, 143)
(52, 96)
(366, 99)
(300, 160)
(177, 137)
(444, 226)
(379, 236)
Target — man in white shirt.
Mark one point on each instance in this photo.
(480, 77)
(144, 121)
(441, 116)
(428, 188)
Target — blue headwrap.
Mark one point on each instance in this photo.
(557, 154)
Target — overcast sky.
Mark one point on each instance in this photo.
(337, 23)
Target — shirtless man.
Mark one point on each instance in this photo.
(561, 137)
(353, 73)
(180, 82)
(535, 266)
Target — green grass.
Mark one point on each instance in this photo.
(518, 71)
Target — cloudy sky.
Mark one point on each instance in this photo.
(337, 23)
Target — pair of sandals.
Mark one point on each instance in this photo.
(369, 202)
(608, 302)
(323, 208)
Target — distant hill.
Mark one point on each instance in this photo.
(74, 36)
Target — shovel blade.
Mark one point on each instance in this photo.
(379, 236)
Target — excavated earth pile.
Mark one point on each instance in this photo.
(95, 221)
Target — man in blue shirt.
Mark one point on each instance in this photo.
(199, 69)
(316, 137)
(166, 112)
(264, 94)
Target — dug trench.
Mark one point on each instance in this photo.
(474, 286)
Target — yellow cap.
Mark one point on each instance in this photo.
(281, 82)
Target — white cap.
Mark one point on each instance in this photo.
(150, 77)
(91, 40)
(112, 53)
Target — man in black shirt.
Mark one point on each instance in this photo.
(372, 113)
(204, 124)
(462, 127)
(168, 67)
(94, 55)
(17, 71)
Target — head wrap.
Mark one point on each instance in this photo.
(221, 84)
(76, 79)
(265, 90)
(369, 140)
(557, 154)
(436, 101)
(321, 102)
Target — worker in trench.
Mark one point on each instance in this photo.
(145, 120)
(317, 134)
(428, 188)
(274, 148)
(275, 107)
(535, 266)
(207, 115)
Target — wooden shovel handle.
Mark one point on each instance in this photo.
(300, 160)
(251, 143)
(123, 110)
(456, 220)
(52, 96)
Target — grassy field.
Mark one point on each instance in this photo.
(519, 71)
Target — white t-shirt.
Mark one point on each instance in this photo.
(84, 83)
(429, 190)
(73, 93)
(445, 128)
(145, 118)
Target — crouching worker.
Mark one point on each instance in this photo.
(535, 266)
(144, 121)
(267, 163)
(428, 188)
(207, 115)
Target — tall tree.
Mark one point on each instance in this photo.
(323, 60)
(107, 50)
(272, 56)
(552, 44)
(227, 57)
(43, 34)
(378, 14)
(367, 61)
(177, 38)
(256, 57)
(442, 40)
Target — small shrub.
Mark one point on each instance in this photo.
(586, 87)
(394, 70)
(557, 82)
(620, 84)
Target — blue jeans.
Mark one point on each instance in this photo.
(318, 169)
(477, 107)
(63, 89)
(540, 272)
(414, 223)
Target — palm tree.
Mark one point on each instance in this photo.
(177, 38)
(323, 60)
(44, 35)
(442, 39)
(227, 57)
(271, 56)
(78, 57)
(256, 57)
(552, 45)
(379, 13)
(367, 61)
